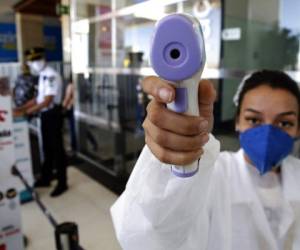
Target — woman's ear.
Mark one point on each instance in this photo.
(237, 129)
(237, 124)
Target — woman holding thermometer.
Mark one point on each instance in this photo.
(247, 199)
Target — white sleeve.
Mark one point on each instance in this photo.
(161, 211)
(52, 85)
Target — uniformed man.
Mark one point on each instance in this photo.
(48, 105)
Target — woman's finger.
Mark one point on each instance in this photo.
(207, 97)
(172, 157)
(180, 124)
(159, 89)
(172, 141)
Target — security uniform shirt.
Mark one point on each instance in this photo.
(50, 84)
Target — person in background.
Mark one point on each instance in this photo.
(48, 104)
(4, 86)
(247, 199)
(67, 104)
(25, 87)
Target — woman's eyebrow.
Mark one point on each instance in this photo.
(253, 111)
(288, 113)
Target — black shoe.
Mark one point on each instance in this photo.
(59, 189)
(25, 241)
(42, 183)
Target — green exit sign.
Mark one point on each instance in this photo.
(62, 9)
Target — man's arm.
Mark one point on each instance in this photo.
(68, 100)
(38, 107)
(26, 106)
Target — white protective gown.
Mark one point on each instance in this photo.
(226, 206)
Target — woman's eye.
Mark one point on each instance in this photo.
(285, 124)
(253, 121)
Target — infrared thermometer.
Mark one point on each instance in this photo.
(178, 56)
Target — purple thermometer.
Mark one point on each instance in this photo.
(178, 56)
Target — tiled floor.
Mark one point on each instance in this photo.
(87, 203)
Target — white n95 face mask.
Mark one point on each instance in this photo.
(37, 66)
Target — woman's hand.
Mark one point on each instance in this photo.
(176, 138)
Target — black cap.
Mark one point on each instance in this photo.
(35, 53)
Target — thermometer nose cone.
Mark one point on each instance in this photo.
(176, 52)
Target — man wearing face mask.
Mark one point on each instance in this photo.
(48, 105)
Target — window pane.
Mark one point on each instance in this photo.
(100, 44)
(91, 8)
(269, 39)
(134, 34)
(125, 3)
(209, 15)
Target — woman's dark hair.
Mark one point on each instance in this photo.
(272, 78)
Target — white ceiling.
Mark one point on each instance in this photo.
(6, 6)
